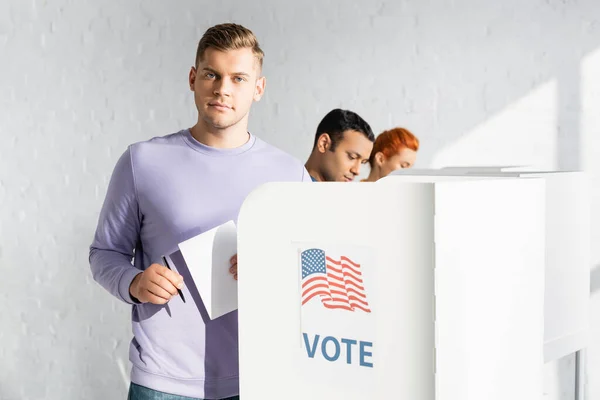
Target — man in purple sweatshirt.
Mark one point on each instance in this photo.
(168, 189)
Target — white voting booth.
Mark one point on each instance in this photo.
(420, 287)
(567, 264)
(567, 291)
(566, 327)
(567, 281)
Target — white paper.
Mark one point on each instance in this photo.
(207, 257)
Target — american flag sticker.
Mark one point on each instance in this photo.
(337, 282)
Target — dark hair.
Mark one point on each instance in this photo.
(338, 121)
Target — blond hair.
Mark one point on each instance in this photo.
(229, 36)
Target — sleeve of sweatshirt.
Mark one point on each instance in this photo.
(117, 233)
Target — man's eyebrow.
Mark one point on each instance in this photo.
(209, 69)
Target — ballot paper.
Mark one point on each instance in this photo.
(207, 258)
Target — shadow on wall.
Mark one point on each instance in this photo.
(595, 279)
(439, 69)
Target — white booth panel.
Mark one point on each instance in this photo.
(418, 258)
(567, 260)
(295, 351)
(566, 322)
(490, 290)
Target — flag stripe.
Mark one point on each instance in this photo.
(342, 274)
(341, 286)
(344, 258)
(313, 287)
(335, 299)
(350, 290)
(356, 299)
(358, 287)
(305, 300)
(344, 278)
(339, 268)
(367, 310)
(335, 306)
(344, 268)
(348, 262)
(311, 280)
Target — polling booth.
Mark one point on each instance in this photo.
(428, 288)
(567, 260)
(567, 293)
(567, 282)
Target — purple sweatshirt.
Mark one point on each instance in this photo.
(162, 192)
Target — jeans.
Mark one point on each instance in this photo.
(137, 392)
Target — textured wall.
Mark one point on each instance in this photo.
(479, 81)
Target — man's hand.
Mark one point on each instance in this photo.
(156, 285)
(233, 269)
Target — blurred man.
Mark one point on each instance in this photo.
(343, 143)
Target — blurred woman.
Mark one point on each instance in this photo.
(393, 149)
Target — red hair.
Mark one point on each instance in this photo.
(392, 141)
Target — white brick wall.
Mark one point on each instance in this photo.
(515, 81)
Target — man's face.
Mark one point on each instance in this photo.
(225, 84)
(344, 162)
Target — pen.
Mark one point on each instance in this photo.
(167, 265)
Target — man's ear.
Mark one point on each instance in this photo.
(324, 143)
(192, 78)
(259, 89)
